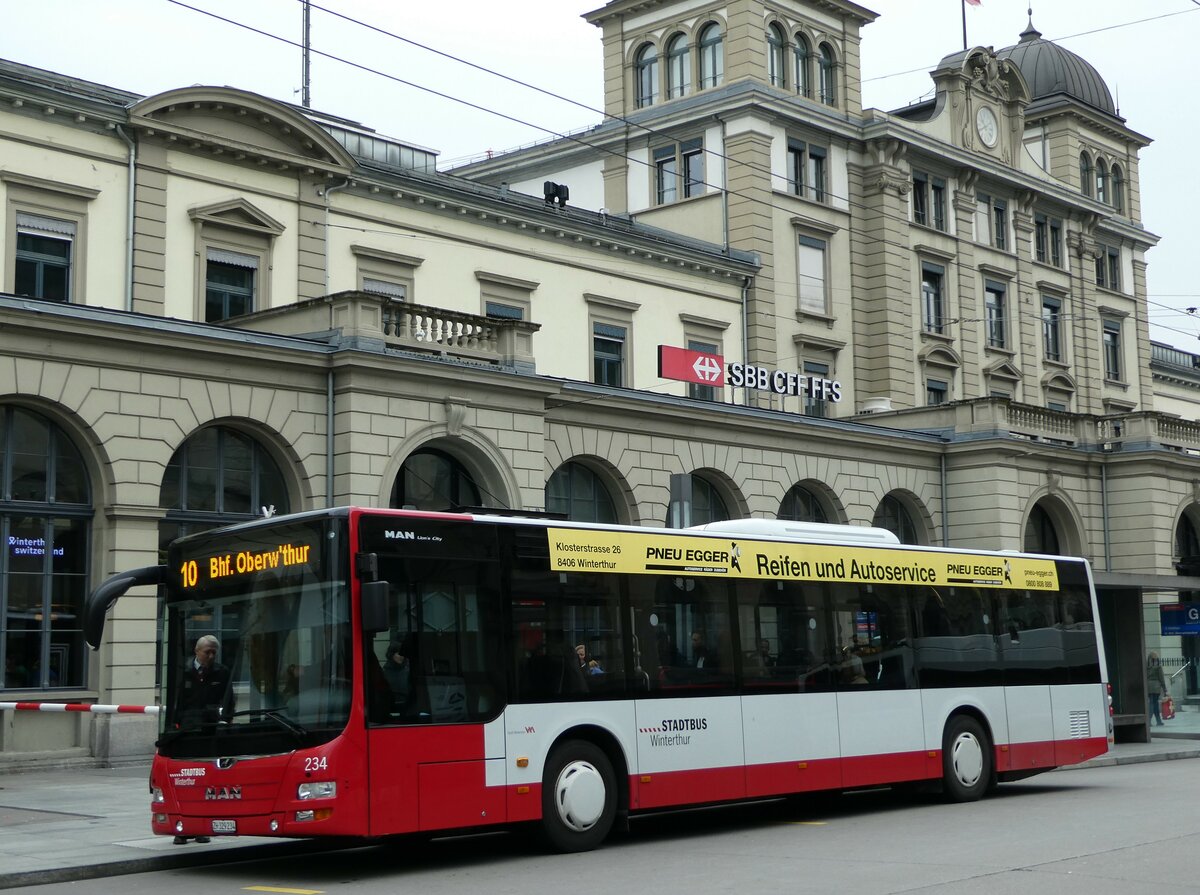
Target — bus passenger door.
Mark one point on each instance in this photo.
(435, 686)
(1032, 654)
(689, 736)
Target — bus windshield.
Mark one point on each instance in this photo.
(256, 655)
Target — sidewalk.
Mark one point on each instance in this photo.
(83, 823)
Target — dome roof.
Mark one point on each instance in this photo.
(1051, 71)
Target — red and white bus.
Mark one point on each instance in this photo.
(389, 672)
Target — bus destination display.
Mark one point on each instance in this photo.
(228, 565)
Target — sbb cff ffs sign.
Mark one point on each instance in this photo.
(711, 369)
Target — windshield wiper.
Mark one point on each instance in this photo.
(278, 717)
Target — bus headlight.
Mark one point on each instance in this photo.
(156, 794)
(326, 789)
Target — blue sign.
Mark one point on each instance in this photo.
(1179, 618)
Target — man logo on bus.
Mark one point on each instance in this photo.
(735, 553)
(1007, 572)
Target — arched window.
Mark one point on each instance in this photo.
(217, 477)
(1040, 534)
(45, 524)
(801, 505)
(580, 495)
(646, 67)
(712, 56)
(1187, 542)
(1085, 173)
(679, 66)
(775, 56)
(1118, 189)
(1101, 181)
(434, 480)
(894, 516)
(828, 80)
(707, 503)
(803, 53)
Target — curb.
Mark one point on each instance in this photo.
(195, 858)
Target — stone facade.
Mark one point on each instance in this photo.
(396, 316)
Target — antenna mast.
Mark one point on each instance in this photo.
(306, 79)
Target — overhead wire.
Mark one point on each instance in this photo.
(564, 136)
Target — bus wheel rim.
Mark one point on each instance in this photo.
(579, 796)
(967, 755)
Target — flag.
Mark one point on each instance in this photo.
(974, 2)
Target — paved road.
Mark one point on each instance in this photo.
(1119, 830)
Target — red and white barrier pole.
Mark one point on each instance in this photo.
(81, 707)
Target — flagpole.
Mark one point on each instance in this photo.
(964, 20)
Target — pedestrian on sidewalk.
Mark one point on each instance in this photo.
(1156, 686)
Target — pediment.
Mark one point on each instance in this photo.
(1003, 369)
(237, 214)
(940, 355)
(243, 124)
(1059, 381)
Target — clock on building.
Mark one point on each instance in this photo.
(987, 126)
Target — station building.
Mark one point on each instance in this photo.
(932, 320)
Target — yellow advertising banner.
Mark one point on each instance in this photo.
(589, 550)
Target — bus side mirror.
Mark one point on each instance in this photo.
(99, 601)
(374, 606)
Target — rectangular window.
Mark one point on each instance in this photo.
(1052, 328)
(920, 201)
(229, 284)
(929, 201)
(1112, 350)
(396, 291)
(43, 257)
(937, 187)
(695, 390)
(932, 301)
(1108, 267)
(983, 219)
(1000, 224)
(1047, 240)
(806, 170)
(500, 309)
(608, 354)
(692, 153)
(810, 271)
(937, 391)
(991, 221)
(666, 175)
(797, 156)
(815, 406)
(995, 314)
(679, 171)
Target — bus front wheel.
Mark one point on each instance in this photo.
(966, 759)
(579, 797)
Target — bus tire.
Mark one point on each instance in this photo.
(579, 797)
(966, 760)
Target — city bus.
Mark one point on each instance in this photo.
(382, 672)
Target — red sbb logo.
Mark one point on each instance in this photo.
(691, 366)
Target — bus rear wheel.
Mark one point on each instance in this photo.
(966, 760)
(579, 797)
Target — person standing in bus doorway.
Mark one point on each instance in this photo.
(1156, 686)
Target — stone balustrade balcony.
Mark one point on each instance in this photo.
(370, 321)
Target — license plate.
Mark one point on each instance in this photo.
(224, 826)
